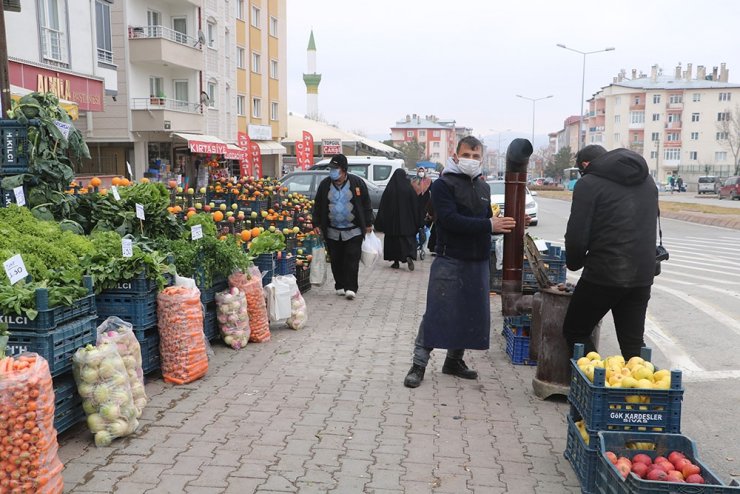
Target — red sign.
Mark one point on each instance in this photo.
(242, 139)
(235, 154)
(203, 147)
(87, 93)
(331, 146)
(304, 151)
(256, 155)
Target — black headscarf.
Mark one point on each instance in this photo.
(398, 213)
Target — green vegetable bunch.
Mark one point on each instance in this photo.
(267, 242)
(203, 219)
(207, 258)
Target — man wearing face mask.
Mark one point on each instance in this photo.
(458, 314)
(342, 212)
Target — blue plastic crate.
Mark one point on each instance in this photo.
(149, 343)
(139, 310)
(210, 326)
(208, 295)
(303, 279)
(285, 265)
(49, 318)
(15, 147)
(266, 265)
(67, 403)
(617, 408)
(582, 457)
(57, 345)
(140, 285)
(516, 331)
(609, 481)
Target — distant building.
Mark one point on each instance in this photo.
(439, 137)
(312, 81)
(568, 135)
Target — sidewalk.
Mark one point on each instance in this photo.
(324, 410)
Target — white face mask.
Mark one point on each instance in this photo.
(421, 174)
(471, 168)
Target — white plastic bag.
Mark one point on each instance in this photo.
(278, 299)
(318, 266)
(372, 249)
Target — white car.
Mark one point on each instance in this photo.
(498, 194)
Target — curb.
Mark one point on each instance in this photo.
(732, 222)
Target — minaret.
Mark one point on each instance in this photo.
(312, 80)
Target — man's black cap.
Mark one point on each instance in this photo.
(339, 160)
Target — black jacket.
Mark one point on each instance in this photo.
(363, 209)
(613, 219)
(462, 208)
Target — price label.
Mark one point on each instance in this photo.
(196, 232)
(20, 196)
(140, 211)
(114, 189)
(127, 246)
(15, 269)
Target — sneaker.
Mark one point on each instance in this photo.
(414, 377)
(410, 261)
(350, 295)
(458, 368)
(340, 292)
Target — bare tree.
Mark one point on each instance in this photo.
(730, 128)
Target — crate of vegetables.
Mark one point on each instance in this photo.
(651, 463)
(516, 332)
(67, 403)
(15, 147)
(139, 310)
(149, 342)
(284, 263)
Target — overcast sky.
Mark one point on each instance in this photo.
(466, 60)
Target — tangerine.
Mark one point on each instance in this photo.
(95, 182)
(255, 232)
(218, 216)
(116, 181)
(246, 235)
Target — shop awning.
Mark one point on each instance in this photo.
(271, 147)
(71, 107)
(203, 144)
(234, 152)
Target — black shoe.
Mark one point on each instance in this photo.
(459, 369)
(414, 377)
(410, 260)
(395, 265)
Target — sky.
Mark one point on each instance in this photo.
(467, 60)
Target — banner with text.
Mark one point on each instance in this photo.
(256, 161)
(304, 151)
(330, 147)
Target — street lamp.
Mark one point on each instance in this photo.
(583, 84)
(534, 102)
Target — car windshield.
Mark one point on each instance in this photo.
(707, 180)
(497, 188)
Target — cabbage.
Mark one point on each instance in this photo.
(108, 368)
(103, 438)
(118, 428)
(119, 380)
(89, 407)
(85, 390)
(89, 374)
(101, 393)
(96, 423)
(120, 396)
(110, 411)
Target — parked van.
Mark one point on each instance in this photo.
(709, 185)
(376, 169)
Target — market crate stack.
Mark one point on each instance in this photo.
(516, 331)
(553, 260)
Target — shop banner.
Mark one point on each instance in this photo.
(202, 147)
(304, 151)
(256, 154)
(242, 139)
(245, 168)
(330, 147)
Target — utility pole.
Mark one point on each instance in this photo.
(4, 76)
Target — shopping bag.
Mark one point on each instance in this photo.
(372, 249)
(318, 266)
(278, 299)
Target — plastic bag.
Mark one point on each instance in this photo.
(233, 319)
(499, 239)
(103, 384)
(372, 249)
(182, 344)
(318, 266)
(278, 298)
(251, 285)
(121, 334)
(298, 313)
(27, 402)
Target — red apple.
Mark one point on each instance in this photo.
(661, 465)
(624, 469)
(674, 476)
(689, 470)
(675, 456)
(642, 458)
(680, 463)
(624, 460)
(640, 469)
(611, 457)
(695, 478)
(660, 458)
(656, 474)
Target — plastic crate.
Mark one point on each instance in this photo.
(67, 403)
(257, 205)
(208, 295)
(582, 457)
(303, 279)
(49, 318)
(285, 265)
(617, 408)
(58, 345)
(139, 310)
(210, 326)
(149, 343)
(291, 245)
(140, 285)
(609, 481)
(516, 331)
(554, 261)
(266, 265)
(15, 147)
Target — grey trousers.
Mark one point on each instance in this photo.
(422, 353)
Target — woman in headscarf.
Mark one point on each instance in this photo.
(421, 184)
(398, 217)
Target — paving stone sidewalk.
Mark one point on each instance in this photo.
(324, 410)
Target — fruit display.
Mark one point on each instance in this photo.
(233, 320)
(635, 373)
(103, 384)
(676, 467)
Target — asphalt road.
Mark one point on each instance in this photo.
(693, 324)
(690, 197)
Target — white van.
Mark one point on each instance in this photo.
(376, 169)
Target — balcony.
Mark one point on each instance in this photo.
(160, 114)
(676, 106)
(672, 144)
(162, 45)
(673, 125)
(637, 106)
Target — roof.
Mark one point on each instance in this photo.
(311, 43)
(669, 82)
(422, 123)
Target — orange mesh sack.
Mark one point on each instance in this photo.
(251, 285)
(182, 344)
(29, 460)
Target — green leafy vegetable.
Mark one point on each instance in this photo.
(267, 242)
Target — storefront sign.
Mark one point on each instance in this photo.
(201, 147)
(233, 153)
(242, 139)
(331, 147)
(304, 151)
(256, 155)
(87, 93)
(260, 132)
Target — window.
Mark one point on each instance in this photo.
(655, 136)
(274, 69)
(240, 9)
(422, 133)
(637, 117)
(53, 37)
(240, 53)
(212, 94)
(156, 86)
(153, 18)
(637, 100)
(720, 156)
(723, 116)
(256, 108)
(273, 26)
(674, 117)
(255, 17)
(617, 119)
(274, 111)
(617, 137)
(409, 133)
(300, 184)
(696, 97)
(673, 154)
(694, 136)
(240, 102)
(675, 98)
(435, 144)
(256, 62)
(102, 26)
(725, 96)
(382, 172)
(656, 98)
(693, 155)
(673, 136)
(635, 138)
(694, 117)
(656, 117)
(653, 155)
(180, 28)
(435, 133)
(182, 93)
(723, 136)
(211, 35)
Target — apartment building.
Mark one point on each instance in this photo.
(674, 120)
(438, 137)
(567, 136)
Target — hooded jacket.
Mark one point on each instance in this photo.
(613, 218)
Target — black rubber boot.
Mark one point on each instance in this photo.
(414, 377)
(459, 369)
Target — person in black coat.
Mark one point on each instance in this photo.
(611, 234)
(399, 218)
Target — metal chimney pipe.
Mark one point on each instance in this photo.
(517, 159)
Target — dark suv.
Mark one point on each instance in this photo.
(730, 189)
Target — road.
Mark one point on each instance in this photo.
(686, 197)
(693, 324)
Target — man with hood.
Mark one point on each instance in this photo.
(611, 235)
(458, 314)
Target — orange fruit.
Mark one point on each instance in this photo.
(255, 232)
(218, 216)
(191, 214)
(103, 192)
(246, 235)
(125, 182)
(145, 180)
(116, 181)
(95, 182)
(172, 184)
(178, 209)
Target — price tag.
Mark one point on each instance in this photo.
(196, 232)
(140, 211)
(20, 196)
(127, 246)
(541, 245)
(114, 189)
(15, 269)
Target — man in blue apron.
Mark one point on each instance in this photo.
(458, 314)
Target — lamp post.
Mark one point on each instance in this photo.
(583, 85)
(534, 102)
